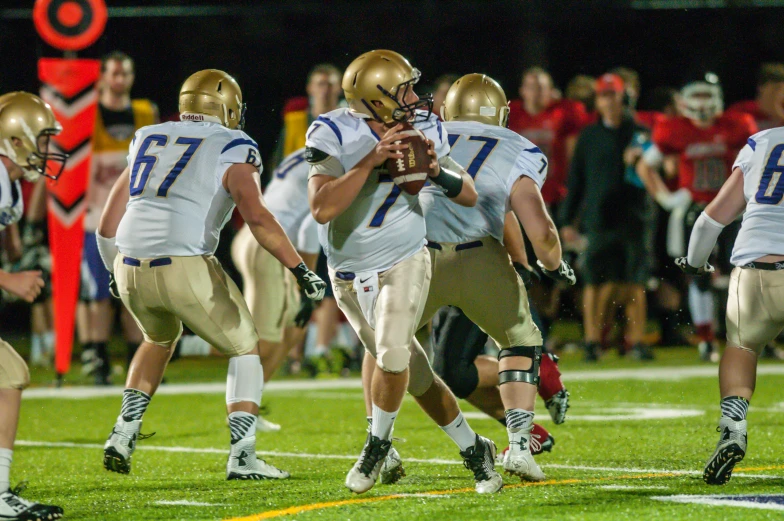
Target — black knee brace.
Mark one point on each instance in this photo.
(530, 375)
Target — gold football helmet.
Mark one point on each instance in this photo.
(27, 124)
(212, 95)
(384, 77)
(476, 97)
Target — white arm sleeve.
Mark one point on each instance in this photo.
(702, 240)
(108, 250)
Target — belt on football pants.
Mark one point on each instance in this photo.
(345, 275)
(767, 266)
(459, 247)
(162, 261)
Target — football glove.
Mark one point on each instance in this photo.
(306, 307)
(113, 286)
(310, 283)
(528, 275)
(564, 272)
(684, 265)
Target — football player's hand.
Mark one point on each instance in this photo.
(528, 275)
(684, 265)
(310, 283)
(113, 286)
(306, 308)
(386, 147)
(564, 272)
(435, 167)
(26, 285)
(671, 200)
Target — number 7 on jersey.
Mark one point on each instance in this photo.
(144, 163)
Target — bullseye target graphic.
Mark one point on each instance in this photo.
(70, 25)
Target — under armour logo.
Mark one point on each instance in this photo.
(241, 458)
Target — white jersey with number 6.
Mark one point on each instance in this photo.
(287, 198)
(762, 163)
(178, 204)
(495, 157)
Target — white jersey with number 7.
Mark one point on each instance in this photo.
(177, 201)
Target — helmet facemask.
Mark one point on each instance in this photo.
(702, 101)
(407, 112)
(44, 162)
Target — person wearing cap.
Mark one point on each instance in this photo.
(612, 214)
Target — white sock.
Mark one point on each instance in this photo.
(49, 342)
(460, 432)
(382, 423)
(519, 423)
(320, 350)
(36, 347)
(6, 456)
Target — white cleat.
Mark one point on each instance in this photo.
(519, 461)
(480, 459)
(365, 472)
(557, 406)
(243, 463)
(264, 425)
(392, 470)
(730, 450)
(119, 447)
(15, 508)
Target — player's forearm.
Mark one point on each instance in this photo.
(652, 181)
(468, 195)
(114, 210)
(513, 240)
(547, 246)
(330, 199)
(270, 235)
(310, 259)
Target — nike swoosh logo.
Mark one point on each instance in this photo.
(363, 281)
(459, 424)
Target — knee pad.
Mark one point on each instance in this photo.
(530, 375)
(394, 360)
(14, 373)
(462, 378)
(245, 379)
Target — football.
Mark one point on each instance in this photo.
(410, 171)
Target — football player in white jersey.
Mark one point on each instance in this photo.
(26, 125)
(374, 239)
(755, 308)
(279, 311)
(157, 236)
(471, 268)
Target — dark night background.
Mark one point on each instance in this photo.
(270, 46)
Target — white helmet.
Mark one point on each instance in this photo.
(703, 99)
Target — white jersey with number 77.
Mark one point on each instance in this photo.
(178, 204)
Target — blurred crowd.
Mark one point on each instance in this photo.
(616, 177)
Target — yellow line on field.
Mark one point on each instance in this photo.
(329, 504)
(758, 469)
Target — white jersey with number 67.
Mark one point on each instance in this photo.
(495, 157)
(177, 201)
(762, 163)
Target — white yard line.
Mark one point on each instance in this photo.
(186, 503)
(643, 373)
(351, 457)
(721, 501)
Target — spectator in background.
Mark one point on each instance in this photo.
(549, 123)
(117, 119)
(768, 109)
(324, 91)
(582, 88)
(613, 217)
(439, 90)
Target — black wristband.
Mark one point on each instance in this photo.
(450, 182)
(300, 270)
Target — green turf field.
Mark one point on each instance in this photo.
(627, 440)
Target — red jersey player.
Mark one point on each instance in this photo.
(768, 109)
(706, 142)
(550, 124)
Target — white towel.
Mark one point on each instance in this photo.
(367, 288)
